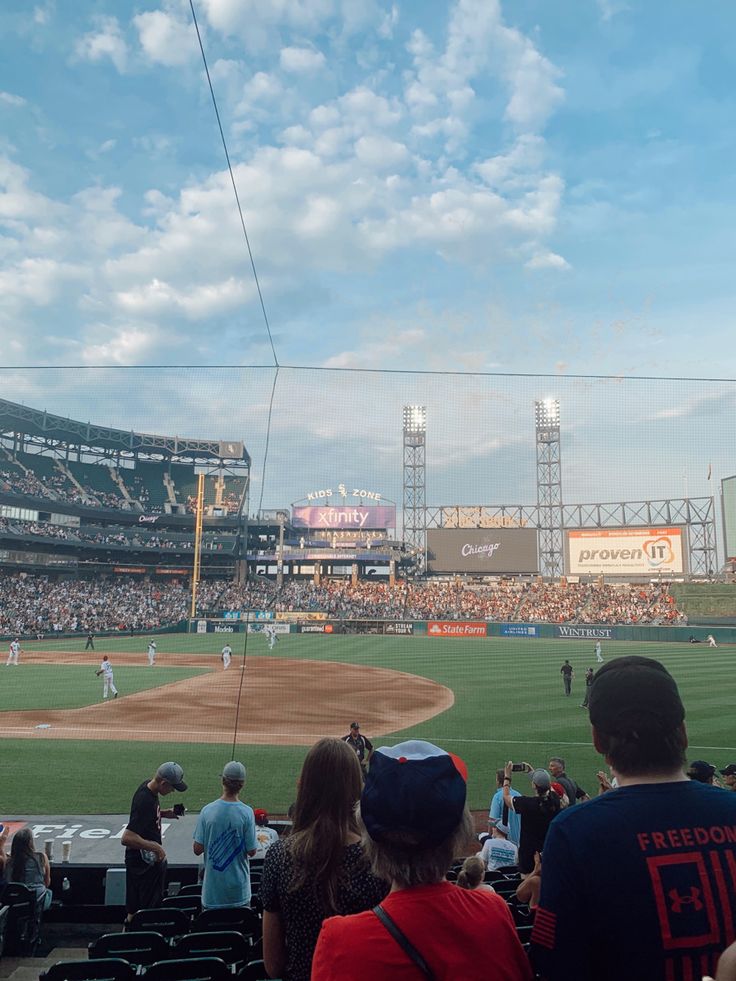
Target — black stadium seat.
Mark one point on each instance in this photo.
(190, 904)
(107, 969)
(242, 919)
(166, 920)
(23, 923)
(142, 948)
(189, 969)
(254, 971)
(228, 945)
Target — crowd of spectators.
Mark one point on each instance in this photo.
(32, 604)
(508, 600)
(38, 605)
(74, 535)
(59, 487)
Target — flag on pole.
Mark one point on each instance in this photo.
(710, 470)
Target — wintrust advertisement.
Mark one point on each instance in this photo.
(625, 551)
(455, 628)
(482, 550)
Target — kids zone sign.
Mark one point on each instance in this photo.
(625, 551)
(344, 507)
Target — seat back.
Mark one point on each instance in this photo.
(190, 904)
(253, 971)
(193, 889)
(169, 921)
(241, 918)
(108, 969)
(4, 910)
(228, 945)
(189, 969)
(142, 947)
(23, 922)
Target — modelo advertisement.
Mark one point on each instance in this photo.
(482, 550)
(625, 552)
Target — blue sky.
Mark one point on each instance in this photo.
(460, 186)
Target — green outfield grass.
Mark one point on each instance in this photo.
(509, 704)
(60, 686)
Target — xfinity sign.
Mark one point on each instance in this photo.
(482, 551)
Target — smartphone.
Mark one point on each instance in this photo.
(179, 809)
(518, 768)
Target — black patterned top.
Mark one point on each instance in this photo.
(302, 912)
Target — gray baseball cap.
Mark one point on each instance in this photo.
(541, 778)
(234, 771)
(172, 773)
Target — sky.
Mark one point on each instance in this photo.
(466, 186)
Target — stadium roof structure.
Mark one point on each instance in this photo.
(51, 430)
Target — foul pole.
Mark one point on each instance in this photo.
(197, 542)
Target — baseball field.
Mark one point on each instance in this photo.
(64, 750)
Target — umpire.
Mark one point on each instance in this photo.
(363, 747)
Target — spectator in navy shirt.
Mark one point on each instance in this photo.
(639, 883)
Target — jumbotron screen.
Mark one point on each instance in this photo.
(481, 551)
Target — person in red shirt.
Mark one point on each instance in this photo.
(413, 822)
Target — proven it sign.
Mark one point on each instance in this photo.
(625, 551)
(455, 628)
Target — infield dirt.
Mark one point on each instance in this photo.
(272, 701)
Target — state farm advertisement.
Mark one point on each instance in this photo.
(625, 551)
(482, 550)
(455, 628)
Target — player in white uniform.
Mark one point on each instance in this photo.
(711, 641)
(598, 654)
(227, 654)
(108, 684)
(270, 632)
(151, 653)
(13, 653)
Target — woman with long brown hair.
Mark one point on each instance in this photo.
(30, 867)
(320, 869)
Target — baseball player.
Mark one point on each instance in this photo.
(270, 632)
(711, 641)
(227, 654)
(108, 684)
(13, 653)
(151, 653)
(598, 652)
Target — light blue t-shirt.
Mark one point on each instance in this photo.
(514, 819)
(227, 830)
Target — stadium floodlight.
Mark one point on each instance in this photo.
(548, 412)
(415, 419)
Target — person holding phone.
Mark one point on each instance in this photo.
(537, 813)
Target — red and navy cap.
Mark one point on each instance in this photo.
(416, 788)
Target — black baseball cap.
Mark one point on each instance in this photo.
(635, 695)
(729, 771)
(700, 770)
(354, 725)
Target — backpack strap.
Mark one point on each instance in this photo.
(403, 941)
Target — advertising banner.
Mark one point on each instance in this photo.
(455, 628)
(625, 551)
(399, 628)
(278, 628)
(294, 615)
(583, 632)
(312, 628)
(484, 551)
(519, 630)
(354, 517)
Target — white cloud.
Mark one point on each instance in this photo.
(166, 39)
(376, 353)
(380, 153)
(12, 100)
(301, 60)
(106, 41)
(547, 260)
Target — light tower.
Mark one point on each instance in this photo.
(549, 486)
(414, 517)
